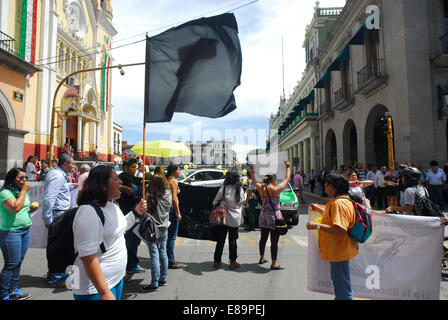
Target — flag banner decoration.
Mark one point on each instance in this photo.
(400, 261)
(105, 88)
(193, 68)
(28, 30)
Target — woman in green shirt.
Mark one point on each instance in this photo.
(15, 231)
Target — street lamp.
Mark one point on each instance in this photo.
(53, 111)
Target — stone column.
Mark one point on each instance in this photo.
(313, 154)
(306, 156)
(79, 142)
(300, 153)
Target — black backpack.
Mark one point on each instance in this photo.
(423, 206)
(60, 246)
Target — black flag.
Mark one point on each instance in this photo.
(193, 68)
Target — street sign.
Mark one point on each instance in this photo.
(18, 96)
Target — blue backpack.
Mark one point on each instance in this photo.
(362, 229)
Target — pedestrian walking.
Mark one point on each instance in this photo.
(370, 190)
(127, 201)
(312, 180)
(101, 274)
(57, 200)
(83, 174)
(233, 194)
(31, 170)
(335, 245)
(380, 191)
(251, 202)
(173, 172)
(436, 183)
(270, 192)
(15, 232)
(160, 202)
(391, 182)
(299, 186)
(44, 169)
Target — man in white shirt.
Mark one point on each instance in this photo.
(380, 191)
(370, 190)
(436, 183)
(31, 169)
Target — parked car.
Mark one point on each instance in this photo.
(289, 206)
(204, 178)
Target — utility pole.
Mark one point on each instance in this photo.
(390, 138)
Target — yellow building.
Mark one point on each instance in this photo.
(58, 37)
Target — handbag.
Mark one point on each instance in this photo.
(147, 228)
(219, 213)
(280, 224)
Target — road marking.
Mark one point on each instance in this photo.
(251, 240)
(300, 240)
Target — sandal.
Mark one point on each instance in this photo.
(277, 267)
(262, 260)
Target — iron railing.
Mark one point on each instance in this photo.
(444, 40)
(322, 12)
(325, 107)
(373, 70)
(342, 94)
(6, 42)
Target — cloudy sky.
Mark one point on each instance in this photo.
(263, 24)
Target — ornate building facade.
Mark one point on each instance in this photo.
(60, 37)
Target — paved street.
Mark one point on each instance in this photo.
(199, 280)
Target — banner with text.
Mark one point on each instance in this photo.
(401, 259)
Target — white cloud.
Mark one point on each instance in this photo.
(262, 26)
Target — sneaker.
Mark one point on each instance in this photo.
(5, 298)
(162, 283)
(148, 288)
(58, 282)
(18, 295)
(175, 265)
(137, 269)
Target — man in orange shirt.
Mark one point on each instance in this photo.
(335, 244)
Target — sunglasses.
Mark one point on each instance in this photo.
(22, 178)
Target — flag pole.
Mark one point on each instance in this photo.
(145, 113)
(144, 164)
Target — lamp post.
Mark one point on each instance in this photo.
(53, 111)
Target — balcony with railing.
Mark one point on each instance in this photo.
(325, 111)
(323, 12)
(371, 77)
(10, 58)
(441, 60)
(7, 43)
(343, 98)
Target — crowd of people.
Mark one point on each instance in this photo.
(397, 190)
(103, 269)
(383, 187)
(120, 197)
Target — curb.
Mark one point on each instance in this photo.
(314, 195)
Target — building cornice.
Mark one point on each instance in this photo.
(106, 24)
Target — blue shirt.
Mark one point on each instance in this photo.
(56, 195)
(435, 179)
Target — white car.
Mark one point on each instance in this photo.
(205, 178)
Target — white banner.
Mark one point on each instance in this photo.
(39, 232)
(400, 261)
(269, 163)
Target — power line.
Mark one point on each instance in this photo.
(164, 27)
